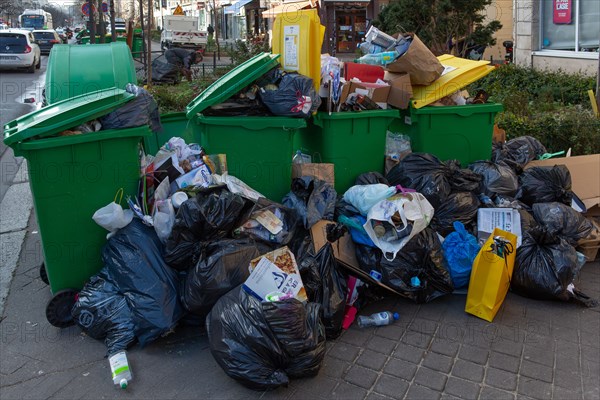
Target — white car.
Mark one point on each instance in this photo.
(18, 50)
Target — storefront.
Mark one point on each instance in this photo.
(346, 23)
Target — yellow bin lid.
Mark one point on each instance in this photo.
(464, 73)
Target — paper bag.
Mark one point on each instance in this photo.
(419, 62)
(491, 274)
(322, 171)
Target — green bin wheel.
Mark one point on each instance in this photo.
(58, 310)
(44, 274)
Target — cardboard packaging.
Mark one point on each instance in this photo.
(400, 89)
(419, 62)
(322, 171)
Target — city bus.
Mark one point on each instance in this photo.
(35, 19)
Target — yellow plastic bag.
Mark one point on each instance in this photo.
(491, 274)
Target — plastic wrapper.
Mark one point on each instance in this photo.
(545, 185)
(546, 267)
(312, 199)
(140, 111)
(518, 152)
(460, 250)
(461, 207)
(363, 197)
(210, 215)
(134, 264)
(223, 267)
(294, 97)
(370, 178)
(163, 218)
(422, 258)
(263, 345)
(103, 313)
(496, 178)
(270, 213)
(425, 173)
(326, 285)
(562, 220)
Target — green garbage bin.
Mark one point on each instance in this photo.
(74, 70)
(259, 149)
(353, 141)
(71, 177)
(450, 132)
(173, 125)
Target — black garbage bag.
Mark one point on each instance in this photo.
(422, 257)
(545, 185)
(546, 266)
(262, 345)
(325, 284)
(342, 207)
(134, 264)
(313, 200)
(370, 178)
(208, 216)
(496, 178)
(103, 313)
(140, 111)
(425, 173)
(462, 179)
(562, 220)
(164, 72)
(461, 206)
(295, 96)
(223, 267)
(517, 152)
(254, 229)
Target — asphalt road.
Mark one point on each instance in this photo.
(15, 87)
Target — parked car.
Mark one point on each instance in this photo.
(46, 39)
(62, 35)
(19, 50)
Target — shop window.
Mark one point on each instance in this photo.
(570, 25)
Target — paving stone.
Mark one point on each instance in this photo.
(346, 391)
(505, 362)
(446, 396)
(334, 367)
(567, 362)
(319, 386)
(567, 379)
(423, 326)
(501, 379)
(438, 362)
(376, 396)
(508, 347)
(475, 355)
(401, 369)
(542, 342)
(371, 359)
(408, 353)
(462, 388)
(430, 378)
(444, 346)
(381, 345)
(433, 311)
(565, 333)
(534, 388)
(562, 394)
(468, 370)
(356, 337)
(591, 388)
(361, 376)
(417, 339)
(393, 332)
(391, 386)
(536, 371)
(344, 351)
(489, 393)
(418, 392)
(539, 355)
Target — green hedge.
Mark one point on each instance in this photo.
(553, 107)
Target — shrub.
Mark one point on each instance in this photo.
(174, 98)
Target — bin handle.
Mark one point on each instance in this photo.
(119, 192)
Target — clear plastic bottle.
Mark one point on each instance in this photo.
(298, 158)
(377, 319)
(119, 368)
(382, 58)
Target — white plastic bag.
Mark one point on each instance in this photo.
(112, 217)
(163, 218)
(363, 197)
(413, 208)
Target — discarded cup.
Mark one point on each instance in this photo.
(178, 199)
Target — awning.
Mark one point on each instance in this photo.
(235, 8)
(289, 6)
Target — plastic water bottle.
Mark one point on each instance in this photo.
(298, 158)
(119, 368)
(377, 319)
(382, 58)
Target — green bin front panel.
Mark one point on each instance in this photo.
(450, 132)
(173, 125)
(259, 149)
(353, 141)
(70, 179)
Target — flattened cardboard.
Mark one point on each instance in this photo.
(322, 171)
(400, 89)
(585, 177)
(377, 93)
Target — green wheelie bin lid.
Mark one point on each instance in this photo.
(64, 115)
(235, 80)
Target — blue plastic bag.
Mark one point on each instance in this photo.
(460, 250)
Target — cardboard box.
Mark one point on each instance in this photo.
(376, 92)
(585, 177)
(400, 89)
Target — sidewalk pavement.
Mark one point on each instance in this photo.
(533, 349)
